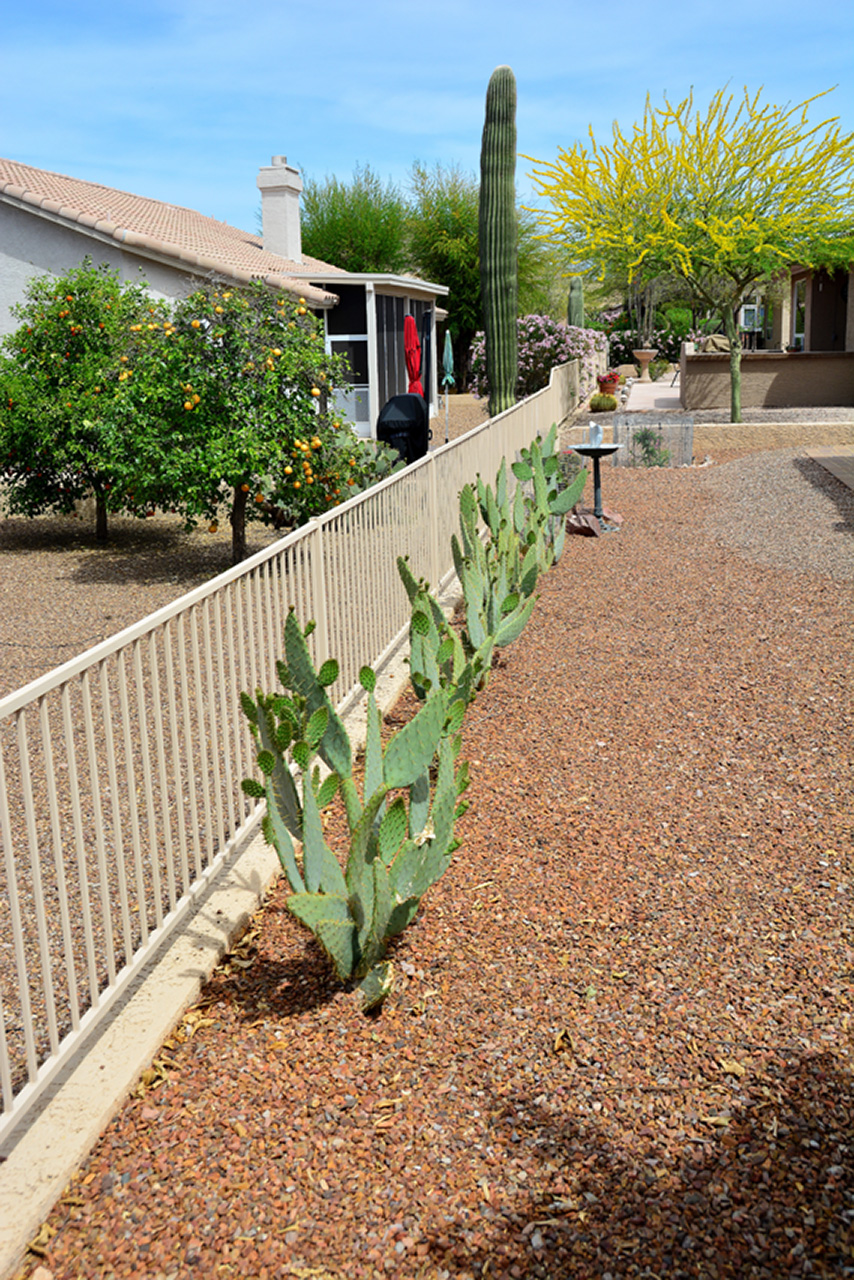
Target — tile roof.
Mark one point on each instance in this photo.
(169, 230)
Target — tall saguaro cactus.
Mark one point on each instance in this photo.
(575, 310)
(497, 236)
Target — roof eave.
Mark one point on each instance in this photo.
(375, 277)
(157, 250)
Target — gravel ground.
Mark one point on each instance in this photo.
(621, 1039)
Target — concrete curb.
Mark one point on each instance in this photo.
(38, 1162)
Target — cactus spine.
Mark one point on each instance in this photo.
(575, 311)
(497, 238)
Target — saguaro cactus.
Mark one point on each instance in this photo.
(575, 310)
(497, 236)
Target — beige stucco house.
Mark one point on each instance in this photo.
(50, 223)
(799, 348)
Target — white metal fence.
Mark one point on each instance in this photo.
(120, 771)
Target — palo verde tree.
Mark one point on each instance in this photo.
(235, 391)
(62, 376)
(727, 200)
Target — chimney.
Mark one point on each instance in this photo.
(280, 185)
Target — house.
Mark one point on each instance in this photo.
(50, 223)
(799, 348)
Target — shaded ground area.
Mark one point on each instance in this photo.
(621, 1039)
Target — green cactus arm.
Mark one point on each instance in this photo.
(285, 795)
(501, 485)
(419, 804)
(360, 838)
(329, 919)
(541, 492)
(374, 943)
(550, 442)
(402, 914)
(407, 577)
(334, 747)
(568, 497)
(520, 515)
(373, 748)
(514, 624)
(412, 748)
(468, 518)
(322, 871)
(276, 834)
(393, 829)
(352, 801)
(377, 984)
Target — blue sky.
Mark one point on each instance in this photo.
(184, 100)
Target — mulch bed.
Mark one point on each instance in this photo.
(620, 1041)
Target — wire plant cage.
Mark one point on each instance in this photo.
(653, 440)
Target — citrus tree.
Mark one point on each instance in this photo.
(727, 200)
(63, 375)
(235, 391)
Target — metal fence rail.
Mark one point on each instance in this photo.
(120, 771)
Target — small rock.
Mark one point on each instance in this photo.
(583, 525)
(41, 1273)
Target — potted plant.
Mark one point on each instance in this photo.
(608, 382)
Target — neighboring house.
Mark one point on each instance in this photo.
(50, 223)
(799, 348)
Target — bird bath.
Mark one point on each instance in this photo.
(596, 450)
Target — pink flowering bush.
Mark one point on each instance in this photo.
(665, 341)
(544, 343)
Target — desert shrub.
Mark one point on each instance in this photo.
(543, 343)
(667, 342)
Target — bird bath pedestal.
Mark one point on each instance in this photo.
(597, 451)
(643, 357)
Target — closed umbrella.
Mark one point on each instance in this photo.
(412, 352)
(447, 375)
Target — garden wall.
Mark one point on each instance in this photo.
(769, 379)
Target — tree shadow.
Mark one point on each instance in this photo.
(150, 551)
(770, 1193)
(840, 494)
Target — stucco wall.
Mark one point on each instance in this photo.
(769, 380)
(32, 245)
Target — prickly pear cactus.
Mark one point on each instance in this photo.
(497, 239)
(395, 852)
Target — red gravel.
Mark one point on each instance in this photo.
(620, 1043)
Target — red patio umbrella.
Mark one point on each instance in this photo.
(412, 351)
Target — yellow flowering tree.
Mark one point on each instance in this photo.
(727, 199)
